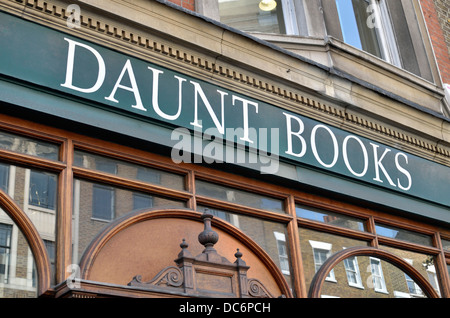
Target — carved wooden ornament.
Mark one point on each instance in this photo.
(205, 275)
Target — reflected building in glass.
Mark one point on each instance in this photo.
(348, 99)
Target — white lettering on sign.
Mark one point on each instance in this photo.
(347, 161)
(70, 63)
(127, 68)
(296, 137)
(315, 143)
(199, 92)
(155, 90)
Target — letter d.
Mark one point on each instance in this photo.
(70, 63)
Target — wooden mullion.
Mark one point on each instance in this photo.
(190, 187)
(441, 267)
(299, 283)
(64, 220)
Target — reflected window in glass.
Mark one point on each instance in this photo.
(331, 218)
(43, 189)
(404, 235)
(238, 196)
(28, 146)
(128, 170)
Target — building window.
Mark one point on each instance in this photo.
(352, 271)
(366, 25)
(4, 177)
(432, 278)
(5, 250)
(413, 288)
(51, 250)
(42, 190)
(282, 252)
(265, 16)
(103, 202)
(379, 284)
(142, 201)
(321, 251)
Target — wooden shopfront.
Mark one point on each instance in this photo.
(148, 172)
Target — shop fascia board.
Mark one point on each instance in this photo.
(244, 53)
(78, 111)
(294, 72)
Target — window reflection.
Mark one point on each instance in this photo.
(352, 271)
(42, 190)
(128, 170)
(238, 196)
(28, 146)
(97, 204)
(271, 236)
(379, 279)
(366, 25)
(246, 15)
(35, 192)
(17, 267)
(423, 263)
(329, 218)
(402, 234)
(316, 247)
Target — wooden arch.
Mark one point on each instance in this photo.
(332, 261)
(108, 234)
(33, 238)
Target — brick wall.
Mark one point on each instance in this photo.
(436, 13)
(187, 4)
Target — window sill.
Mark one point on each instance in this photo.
(363, 68)
(101, 220)
(356, 286)
(382, 291)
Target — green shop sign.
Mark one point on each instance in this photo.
(129, 86)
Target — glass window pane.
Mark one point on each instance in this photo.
(97, 204)
(448, 269)
(102, 202)
(358, 25)
(316, 247)
(378, 279)
(238, 196)
(142, 201)
(129, 170)
(35, 192)
(28, 146)
(270, 236)
(423, 263)
(446, 245)
(4, 177)
(330, 218)
(17, 266)
(42, 189)
(247, 15)
(404, 235)
(348, 23)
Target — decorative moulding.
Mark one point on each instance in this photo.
(206, 275)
